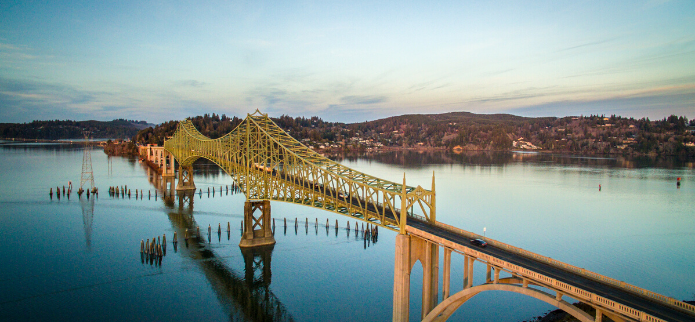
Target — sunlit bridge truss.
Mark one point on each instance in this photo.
(269, 164)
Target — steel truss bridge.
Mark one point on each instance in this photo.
(268, 164)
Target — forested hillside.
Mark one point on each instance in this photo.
(467, 131)
(56, 130)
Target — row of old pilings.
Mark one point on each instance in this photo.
(370, 232)
(66, 192)
(123, 191)
(234, 189)
(155, 250)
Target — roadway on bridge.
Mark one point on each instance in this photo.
(627, 298)
(608, 291)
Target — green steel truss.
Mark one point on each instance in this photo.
(268, 164)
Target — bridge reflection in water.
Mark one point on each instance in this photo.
(245, 298)
(268, 164)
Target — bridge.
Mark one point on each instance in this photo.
(268, 164)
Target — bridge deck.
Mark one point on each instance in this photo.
(636, 301)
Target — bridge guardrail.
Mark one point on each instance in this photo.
(567, 289)
(581, 271)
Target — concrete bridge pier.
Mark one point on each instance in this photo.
(257, 229)
(168, 169)
(185, 178)
(410, 249)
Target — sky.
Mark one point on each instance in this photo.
(348, 61)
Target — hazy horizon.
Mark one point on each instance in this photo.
(345, 61)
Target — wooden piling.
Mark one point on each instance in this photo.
(219, 228)
(197, 231)
(164, 239)
(185, 235)
(228, 228)
(147, 246)
(175, 239)
(326, 222)
(142, 246)
(285, 219)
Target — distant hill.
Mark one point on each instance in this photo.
(464, 117)
(57, 130)
(459, 131)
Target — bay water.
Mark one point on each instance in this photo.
(78, 259)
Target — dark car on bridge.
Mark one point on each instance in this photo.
(478, 242)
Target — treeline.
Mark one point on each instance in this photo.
(212, 126)
(215, 126)
(57, 129)
(592, 134)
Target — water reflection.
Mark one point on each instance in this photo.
(87, 205)
(414, 159)
(246, 298)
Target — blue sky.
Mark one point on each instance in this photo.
(344, 61)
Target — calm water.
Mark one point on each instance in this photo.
(77, 260)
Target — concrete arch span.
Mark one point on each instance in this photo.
(447, 307)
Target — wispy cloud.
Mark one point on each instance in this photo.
(190, 83)
(588, 44)
(11, 53)
(26, 100)
(363, 99)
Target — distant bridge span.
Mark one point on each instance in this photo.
(268, 164)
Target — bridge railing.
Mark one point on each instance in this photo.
(579, 271)
(569, 290)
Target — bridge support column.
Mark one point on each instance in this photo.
(257, 230)
(410, 249)
(168, 169)
(185, 178)
(468, 271)
(430, 280)
(447, 274)
(401, 279)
